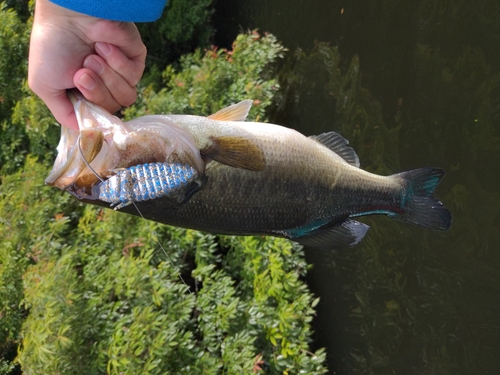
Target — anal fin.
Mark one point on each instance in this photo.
(348, 233)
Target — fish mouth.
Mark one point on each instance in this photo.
(104, 144)
(82, 153)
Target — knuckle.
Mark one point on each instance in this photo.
(128, 99)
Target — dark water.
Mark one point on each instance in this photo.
(410, 84)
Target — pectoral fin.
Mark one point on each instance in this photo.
(346, 234)
(235, 112)
(237, 152)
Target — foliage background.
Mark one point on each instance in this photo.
(89, 290)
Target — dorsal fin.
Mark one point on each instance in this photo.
(338, 144)
(237, 152)
(235, 112)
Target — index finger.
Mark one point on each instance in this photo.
(62, 109)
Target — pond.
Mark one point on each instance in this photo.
(410, 84)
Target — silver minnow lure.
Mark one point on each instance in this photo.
(144, 182)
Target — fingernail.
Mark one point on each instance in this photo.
(103, 48)
(93, 64)
(87, 82)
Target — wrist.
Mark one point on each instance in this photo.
(52, 13)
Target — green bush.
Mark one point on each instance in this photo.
(90, 290)
(33, 223)
(95, 308)
(13, 63)
(13, 69)
(213, 79)
(183, 27)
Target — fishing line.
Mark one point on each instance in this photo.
(140, 213)
(176, 269)
(164, 251)
(219, 338)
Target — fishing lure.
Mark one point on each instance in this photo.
(144, 182)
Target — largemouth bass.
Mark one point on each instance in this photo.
(249, 178)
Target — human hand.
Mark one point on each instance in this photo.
(103, 59)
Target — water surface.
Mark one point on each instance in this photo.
(410, 84)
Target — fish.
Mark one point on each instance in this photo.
(250, 178)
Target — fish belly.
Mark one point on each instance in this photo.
(235, 201)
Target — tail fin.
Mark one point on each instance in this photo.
(420, 207)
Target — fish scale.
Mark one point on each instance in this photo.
(145, 181)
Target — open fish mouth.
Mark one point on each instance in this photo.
(84, 155)
(104, 144)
